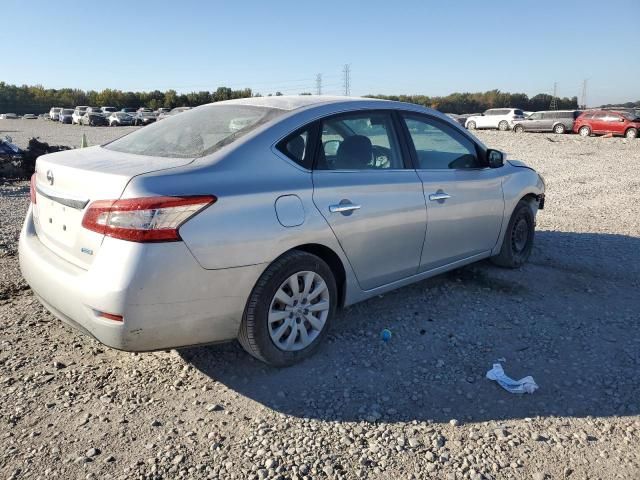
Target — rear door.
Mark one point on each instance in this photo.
(598, 123)
(464, 198)
(372, 201)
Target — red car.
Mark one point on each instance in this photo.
(607, 121)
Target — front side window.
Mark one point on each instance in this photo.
(535, 116)
(439, 147)
(196, 132)
(360, 141)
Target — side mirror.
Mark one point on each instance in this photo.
(495, 158)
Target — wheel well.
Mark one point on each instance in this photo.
(630, 128)
(533, 200)
(335, 264)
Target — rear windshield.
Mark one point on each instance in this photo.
(195, 132)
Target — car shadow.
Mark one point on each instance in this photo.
(569, 318)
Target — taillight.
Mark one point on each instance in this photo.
(147, 219)
(32, 188)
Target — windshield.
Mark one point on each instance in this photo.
(67, 111)
(630, 116)
(196, 132)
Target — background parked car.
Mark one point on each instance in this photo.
(108, 110)
(94, 110)
(29, 116)
(94, 119)
(54, 113)
(65, 115)
(144, 117)
(118, 119)
(173, 111)
(557, 121)
(130, 110)
(607, 121)
(78, 114)
(9, 116)
(457, 118)
(500, 118)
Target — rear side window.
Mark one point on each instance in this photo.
(196, 132)
(296, 147)
(518, 112)
(440, 147)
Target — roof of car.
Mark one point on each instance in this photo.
(292, 102)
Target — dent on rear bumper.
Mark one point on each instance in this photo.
(166, 298)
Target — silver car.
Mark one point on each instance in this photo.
(258, 218)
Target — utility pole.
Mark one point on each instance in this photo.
(554, 99)
(319, 84)
(347, 79)
(583, 98)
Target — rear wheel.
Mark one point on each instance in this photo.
(471, 125)
(289, 310)
(518, 239)
(503, 126)
(631, 133)
(584, 131)
(559, 129)
(518, 129)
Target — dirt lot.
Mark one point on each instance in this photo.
(415, 407)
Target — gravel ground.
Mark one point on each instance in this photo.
(416, 407)
(55, 133)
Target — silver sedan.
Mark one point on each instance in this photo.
(257, 219)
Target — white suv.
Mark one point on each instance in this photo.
(54, 113)
(500, 118)
(77, 114)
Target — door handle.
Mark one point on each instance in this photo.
(439, 196)
(344, 207)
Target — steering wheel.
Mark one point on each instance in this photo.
(381, 156)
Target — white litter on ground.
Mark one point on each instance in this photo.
(524, 385)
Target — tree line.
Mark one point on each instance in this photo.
(480, 101)
(37, 99)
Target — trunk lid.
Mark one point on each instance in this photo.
(67, 182)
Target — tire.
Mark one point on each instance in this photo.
(631, 133)
(518, 129)
(518, 238)
(471, 125)
(267, 341)
(503, 126)
(584, 131)
(559, 129)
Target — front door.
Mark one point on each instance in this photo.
(465, 204)
(373, 203)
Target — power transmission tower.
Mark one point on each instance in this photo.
(583, 98)
(319, 84)
(347, 79)
(554, 99)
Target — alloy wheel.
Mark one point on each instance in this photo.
(298, 311)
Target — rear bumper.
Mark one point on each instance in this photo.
(166, 298)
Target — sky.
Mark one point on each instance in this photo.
(392, 47)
